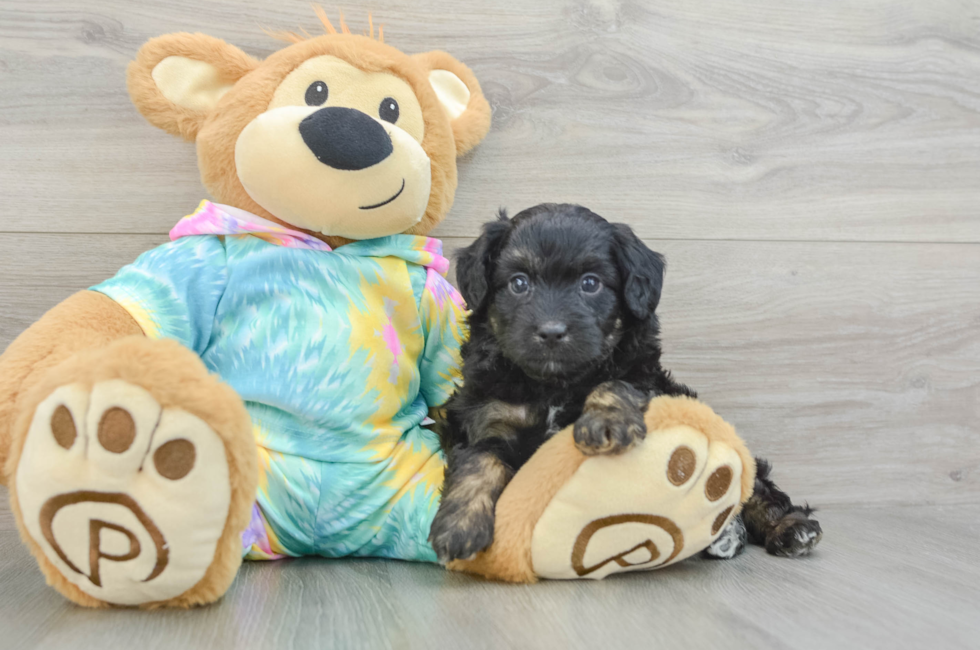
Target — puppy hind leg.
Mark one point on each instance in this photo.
(773, 521)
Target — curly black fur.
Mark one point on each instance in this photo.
(611, 335)
(563, 330)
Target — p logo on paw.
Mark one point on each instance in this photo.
(126, 499)
(607, 536)
(79, 504)
(658, 504)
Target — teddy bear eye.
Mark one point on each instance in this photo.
(388, 111)
(591, 283)
(316, 94)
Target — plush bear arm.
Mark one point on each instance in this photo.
(443, 317)
(84, 321)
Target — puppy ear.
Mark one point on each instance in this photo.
(475, 263)
(176, 80)
(461, 98)
(641, 270)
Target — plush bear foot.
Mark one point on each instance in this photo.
(125, 499)
(567, 515)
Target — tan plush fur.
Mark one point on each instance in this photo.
(89, 337)
(231, 63)
(538, 481)
(87, 320)
(665, 412)
(217, 132)
(472, 126)
(176, 377)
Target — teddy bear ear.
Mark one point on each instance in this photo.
(461, 97)
(176, 80)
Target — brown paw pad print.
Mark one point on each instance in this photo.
(126, 499)
(674, 515)
(116, 433)
(680, 470)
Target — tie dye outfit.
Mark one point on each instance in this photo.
(337, 354)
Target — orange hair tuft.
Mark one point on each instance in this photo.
(294, 37)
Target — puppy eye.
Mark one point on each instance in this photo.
(519, 283)
(316, 94)
(388, 111)
(591, 284)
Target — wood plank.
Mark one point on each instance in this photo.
(854, 367)
(39, 271)
(729, 133)
(883, 577)
(719, 120)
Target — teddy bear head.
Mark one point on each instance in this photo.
(339, 135)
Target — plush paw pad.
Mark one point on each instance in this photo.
(664, 500)
(125, 498)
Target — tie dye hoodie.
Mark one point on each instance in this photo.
(338, 355)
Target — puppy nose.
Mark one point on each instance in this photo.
(552, 332)
(345, 138)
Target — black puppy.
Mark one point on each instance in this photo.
(563, 330)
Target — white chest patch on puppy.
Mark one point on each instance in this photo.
(553, 413)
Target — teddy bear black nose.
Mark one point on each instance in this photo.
(345, 138)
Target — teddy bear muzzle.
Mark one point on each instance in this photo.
(334, 170)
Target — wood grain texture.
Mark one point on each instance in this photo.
(718, 120)
(39, 271)
(812, 174)
(887, 577)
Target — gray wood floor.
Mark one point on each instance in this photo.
(885, 577)
(812, 173)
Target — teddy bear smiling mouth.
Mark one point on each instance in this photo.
(386, 202)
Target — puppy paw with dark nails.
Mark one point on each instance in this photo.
(609, 433)
(795, 535)
(461, 535)
(612, 420)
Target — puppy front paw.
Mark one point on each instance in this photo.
(795, 535)
(459, 533)
(610, 432)
(612, 420)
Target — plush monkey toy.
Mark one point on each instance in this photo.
(259, 386)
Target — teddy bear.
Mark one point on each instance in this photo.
(260, 386)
